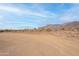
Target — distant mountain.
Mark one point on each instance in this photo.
(66, 26)
(51, 26)
(72, 24)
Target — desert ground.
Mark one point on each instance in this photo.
(38, 44)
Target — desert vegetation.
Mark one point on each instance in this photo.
(48, 40)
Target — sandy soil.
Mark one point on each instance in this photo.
(37, 44)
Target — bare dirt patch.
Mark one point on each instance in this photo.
(33, 44)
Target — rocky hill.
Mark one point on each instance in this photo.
(74, 25)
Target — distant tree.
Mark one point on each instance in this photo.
(35, 29)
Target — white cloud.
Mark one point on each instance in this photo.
(26, 12)
(1, 18)
(9, 9)
(71, 14)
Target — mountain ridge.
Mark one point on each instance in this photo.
(66, 26)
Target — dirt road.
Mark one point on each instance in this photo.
(24, 44)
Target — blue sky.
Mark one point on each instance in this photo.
(23, 16)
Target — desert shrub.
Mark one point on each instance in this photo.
(62, 28)
(77, 29)
(48, 30)
(1, 31)
(41, 30)
(6, 30)
(34, 29)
